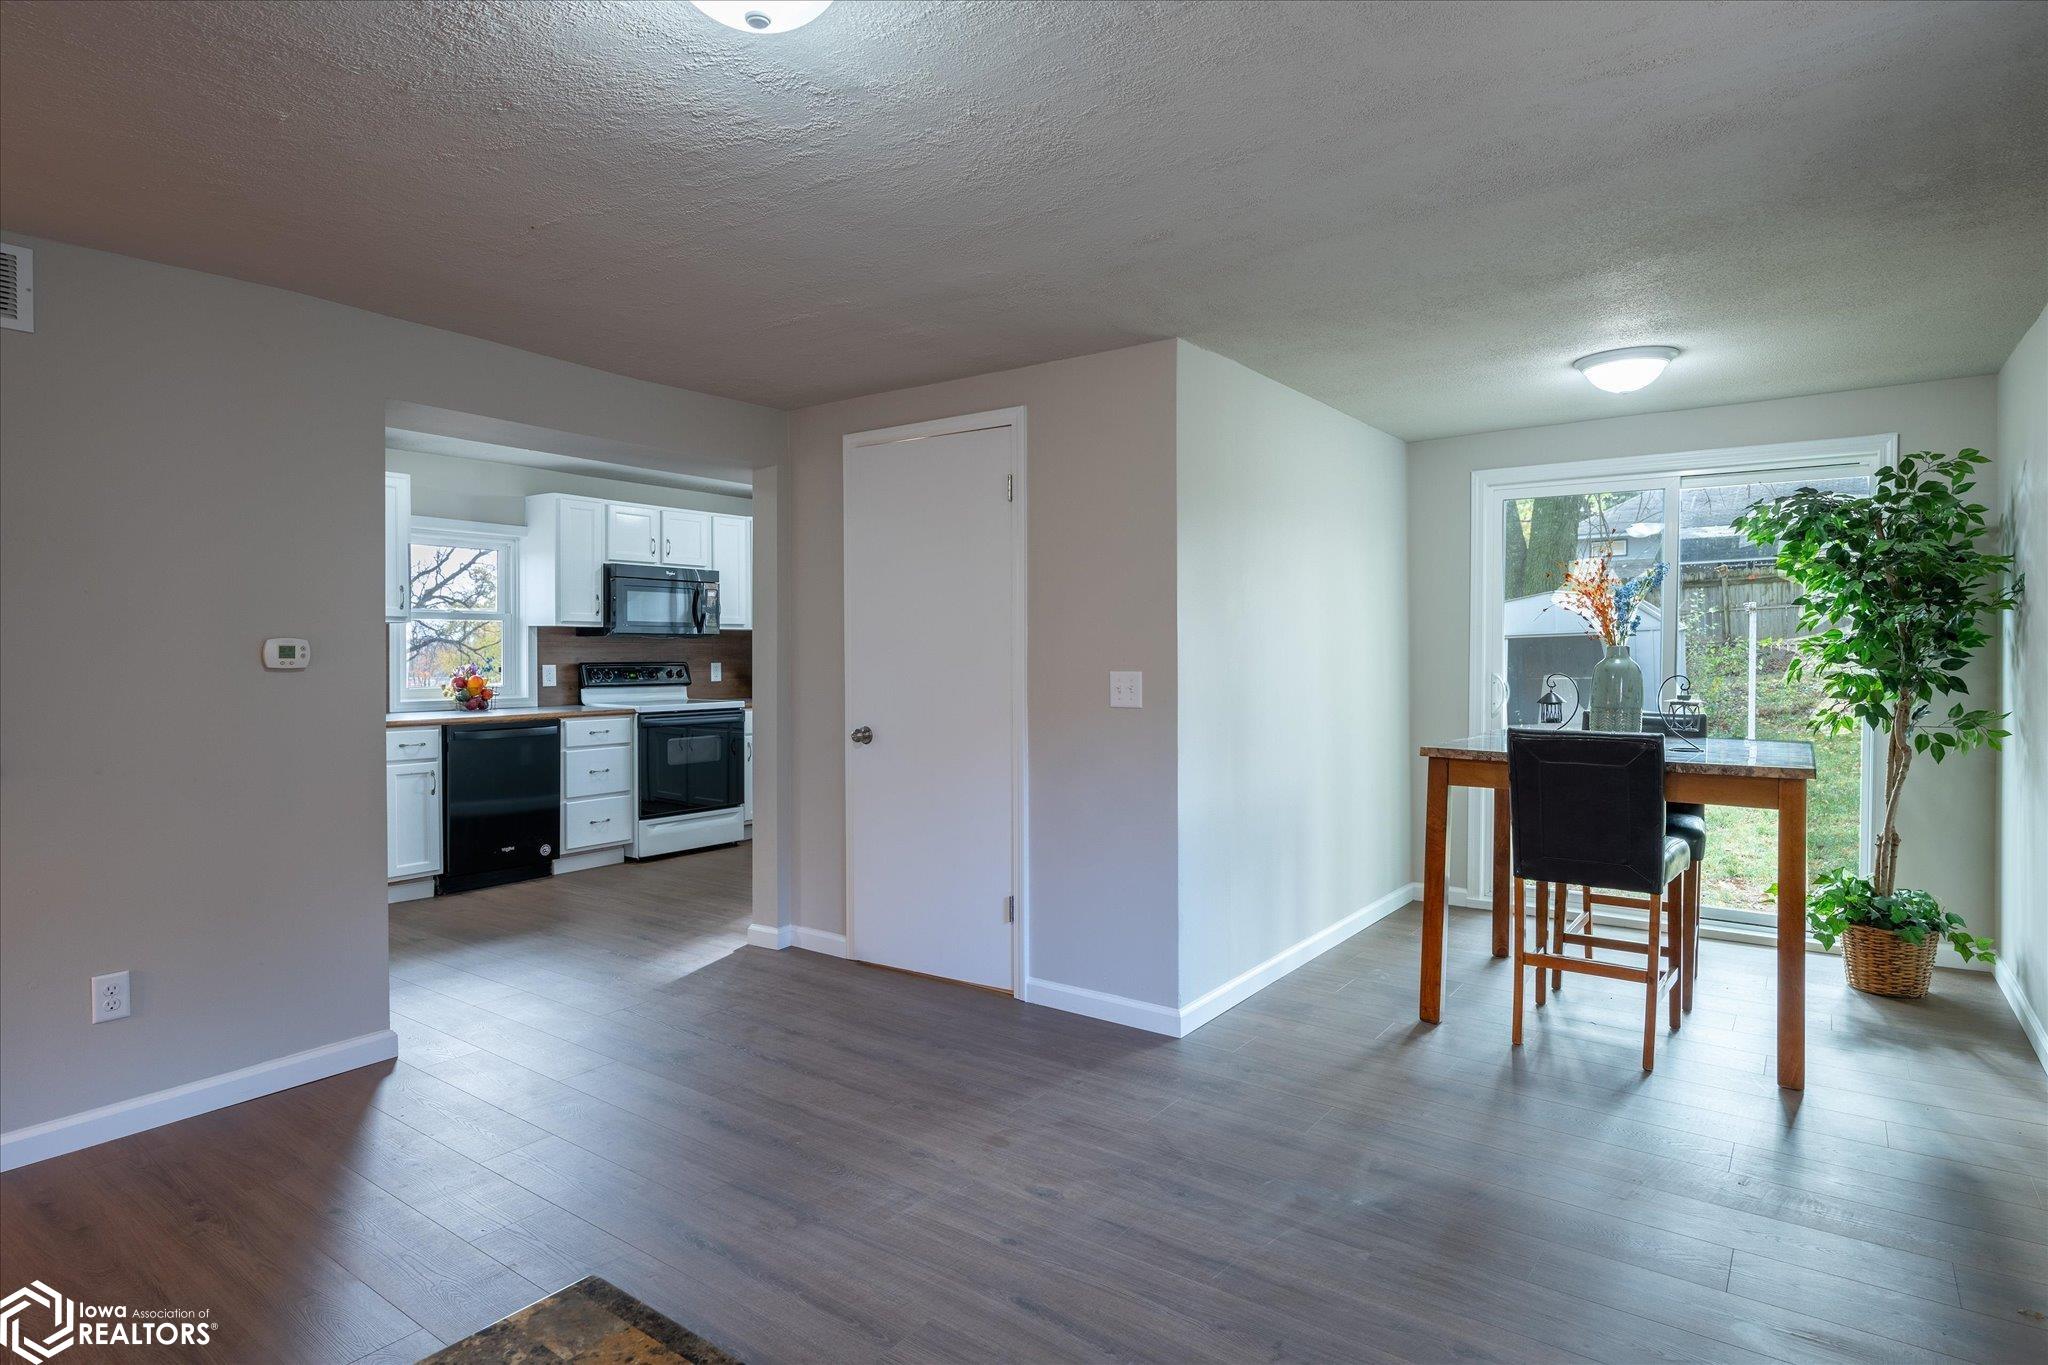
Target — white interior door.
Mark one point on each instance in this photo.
(932, 698)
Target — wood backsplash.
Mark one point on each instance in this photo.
(734, 649)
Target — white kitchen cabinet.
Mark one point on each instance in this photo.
(632, 535)
(685, 538)
(412, 819)
(397, 544)
(732, 554)
(562, 561)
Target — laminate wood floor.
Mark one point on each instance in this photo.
(808, 1160)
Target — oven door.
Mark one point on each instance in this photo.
(692, 763)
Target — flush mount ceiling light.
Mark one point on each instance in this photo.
(763, 16)
(1625, 370)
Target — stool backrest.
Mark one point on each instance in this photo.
(1587, 809)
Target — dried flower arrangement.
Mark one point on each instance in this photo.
(1610, 608)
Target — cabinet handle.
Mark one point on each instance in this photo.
(606, 821)
(434, 785)
(650, 545)
(666, 549)
(595, 771)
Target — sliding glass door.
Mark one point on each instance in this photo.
(1724, 620)
(1738, 621)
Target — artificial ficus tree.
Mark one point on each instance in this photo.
(1896, 594)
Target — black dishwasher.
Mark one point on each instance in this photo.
(503, 802)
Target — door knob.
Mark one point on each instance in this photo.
(863, 736)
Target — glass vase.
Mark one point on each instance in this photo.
(1617, 692)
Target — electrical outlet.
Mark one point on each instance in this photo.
(1126, 689)
(547, 675)
(717, 671)
(109, 997)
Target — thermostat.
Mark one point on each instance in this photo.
(286, 653)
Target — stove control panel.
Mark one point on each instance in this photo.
(633, 675)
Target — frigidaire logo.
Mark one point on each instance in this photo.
(38, 1322)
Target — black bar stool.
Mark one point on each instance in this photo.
(1588, 810)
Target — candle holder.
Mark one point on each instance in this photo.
(1685, 716)
(1550, 707)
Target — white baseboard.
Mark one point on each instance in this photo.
(1179, 1023)
(797, 936)
(772, 936)
(1115, 1009)
(818, 941)
(2021, 1007)
(417, 890)
(41, 1141)
(1203, 1008)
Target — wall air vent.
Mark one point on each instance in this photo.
(17, 288)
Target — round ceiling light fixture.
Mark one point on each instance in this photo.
(763, 16)
(1625, 370)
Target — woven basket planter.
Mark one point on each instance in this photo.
(1882, 963)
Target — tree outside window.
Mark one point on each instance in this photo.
(461, 613)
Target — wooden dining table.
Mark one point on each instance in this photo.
(1764, 774)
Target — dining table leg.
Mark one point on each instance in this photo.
(1500, 872)
(1792, 934)
(1436, 818)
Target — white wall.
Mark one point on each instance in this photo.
(1949, 812)
(187, 465)
(1102, 596)
(486, 490)
(1292, 605)
(2023, 765)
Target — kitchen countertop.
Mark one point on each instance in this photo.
(399, 719)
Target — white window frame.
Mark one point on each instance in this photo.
(518, 689)
(1493, 489)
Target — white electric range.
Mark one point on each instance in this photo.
(689, 757)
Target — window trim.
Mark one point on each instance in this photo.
(518, 689)
(1492, 488)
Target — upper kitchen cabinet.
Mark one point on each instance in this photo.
(397, 543)
(562, 560)
(632, 535)
(686, 538)
(732, 554)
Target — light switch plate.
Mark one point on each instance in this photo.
(547, 675)
(1126, 689)
(717, 671)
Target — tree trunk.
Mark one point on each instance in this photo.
(1898, 758)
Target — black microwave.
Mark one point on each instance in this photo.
(651, 599)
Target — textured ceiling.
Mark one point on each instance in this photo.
(1419, 213)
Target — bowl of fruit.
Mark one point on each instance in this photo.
(468, 689)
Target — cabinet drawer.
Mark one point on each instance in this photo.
(596, 821)
(411, 743)
(580, 734)
(597, 772)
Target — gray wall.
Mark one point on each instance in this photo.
(486, 490)
(187, 465)
(1949, 813)
(1102, 596)
(1293, 639)
(2023, 766)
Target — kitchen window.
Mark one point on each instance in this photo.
(461, 608)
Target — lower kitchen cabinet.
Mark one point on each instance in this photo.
(412, 818)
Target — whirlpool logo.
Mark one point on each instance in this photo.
(26, 1310)
(38, 1322)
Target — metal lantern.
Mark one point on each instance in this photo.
(1550, 707)
(1685, 716)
